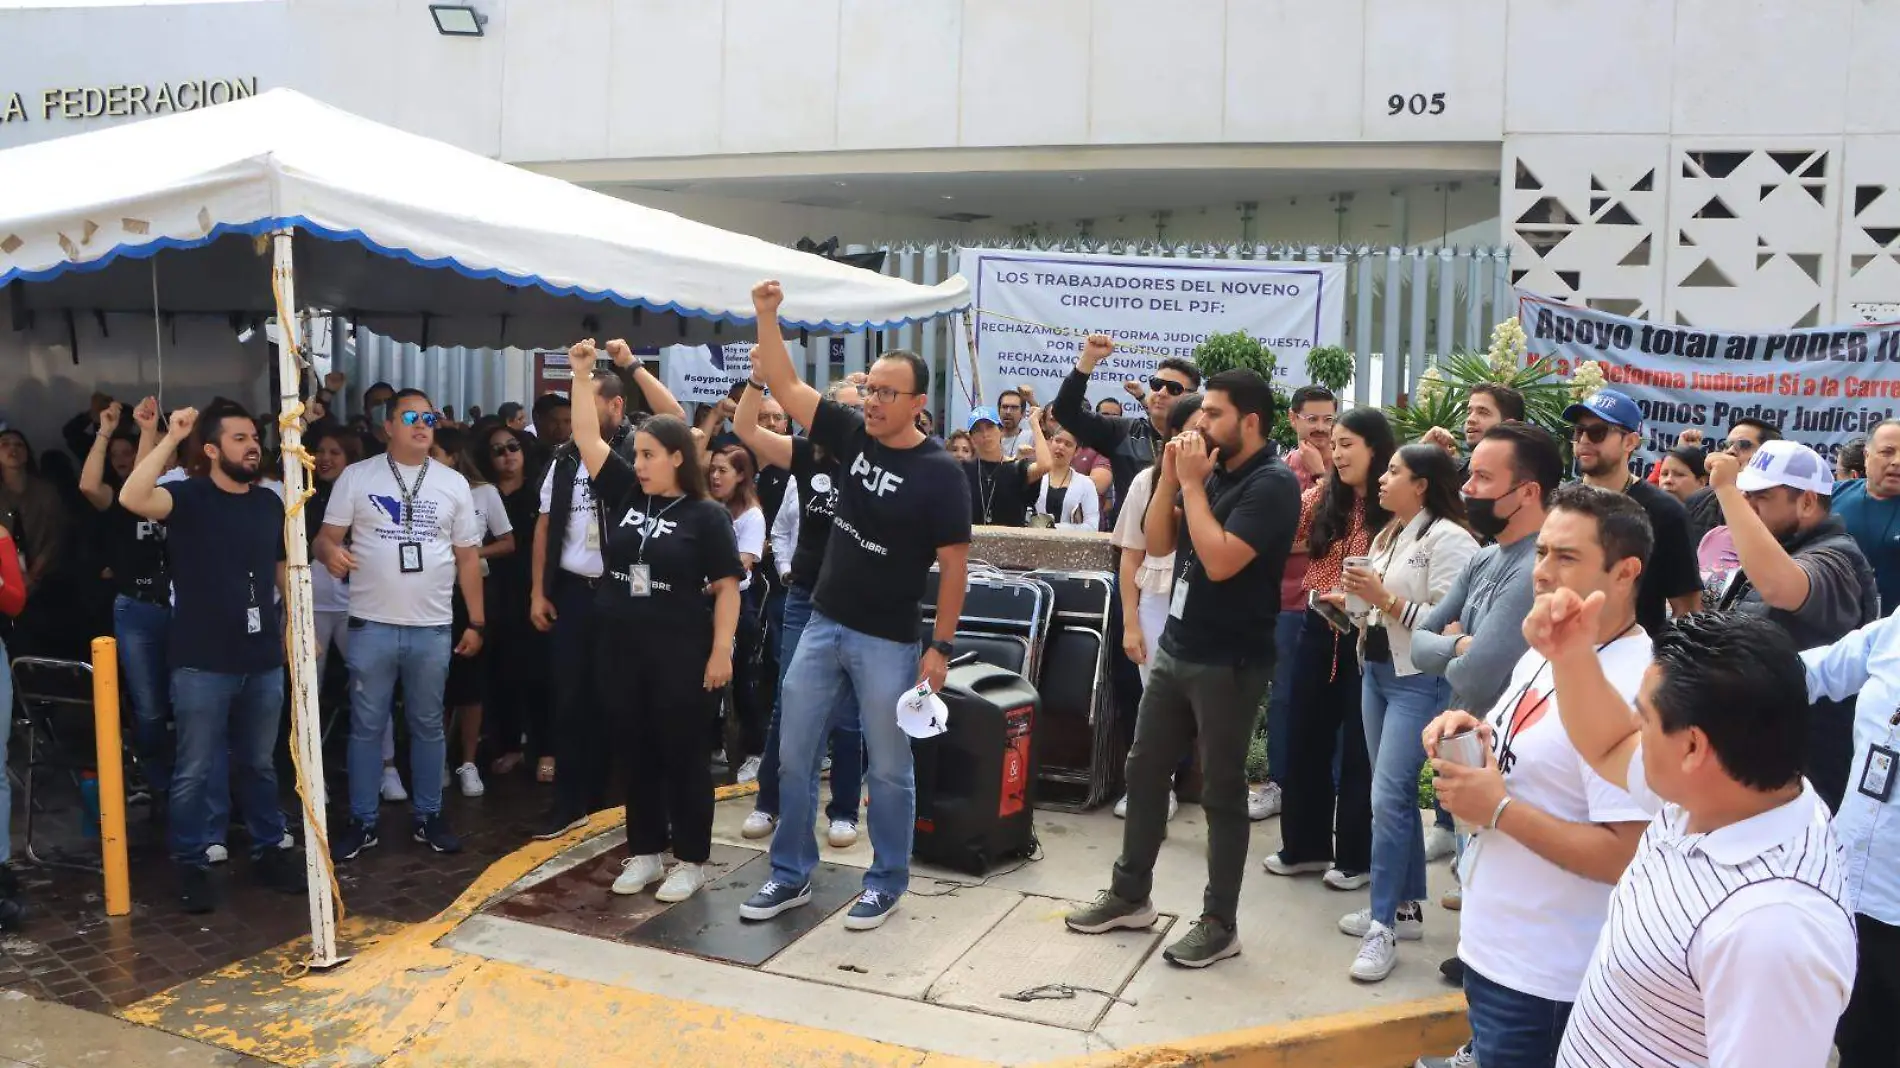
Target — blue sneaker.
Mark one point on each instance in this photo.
(774, 898)
(354, 838)
(433, 831)
(872, 909)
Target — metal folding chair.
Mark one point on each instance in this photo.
(56, 696)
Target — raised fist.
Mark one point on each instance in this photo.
(619, 352)
(146, 414)
(581, 358)
(182, 422)
(109, 418)
(767, 296)
(1095, 350)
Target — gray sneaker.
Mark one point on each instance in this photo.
(1209, 940)
(1110, 913)
(1464, 1058)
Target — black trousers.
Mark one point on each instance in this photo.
(582, 748)
(1326, 698)
(750, 699)
(518, 702)
(1866, 1032)
(655, 697)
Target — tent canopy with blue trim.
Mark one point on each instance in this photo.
(412, 238)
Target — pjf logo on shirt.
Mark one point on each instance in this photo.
(875, 478)
(654, 527)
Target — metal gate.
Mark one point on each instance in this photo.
(1404, 309)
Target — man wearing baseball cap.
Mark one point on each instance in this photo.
(1606, 428)
(1802, 571)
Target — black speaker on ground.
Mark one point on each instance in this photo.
(974, 781)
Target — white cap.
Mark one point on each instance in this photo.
(922, 714)
(1786, 463)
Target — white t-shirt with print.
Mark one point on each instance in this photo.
(583, 530)
(367, 500)
(749, 530)
(1527, 924)
(491, 515)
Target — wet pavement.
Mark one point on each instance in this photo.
(68, 951)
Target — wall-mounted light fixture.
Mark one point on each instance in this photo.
(457, 20)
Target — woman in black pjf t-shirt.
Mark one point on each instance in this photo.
(668, 604)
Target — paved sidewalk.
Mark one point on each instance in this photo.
(45, 1034)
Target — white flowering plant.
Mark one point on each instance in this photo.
(1444, 390)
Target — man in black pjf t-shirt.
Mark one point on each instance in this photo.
(227, 642)
(901, 504)
(1228, 508)
(1607, 428)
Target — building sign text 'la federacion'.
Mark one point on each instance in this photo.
(117, 101)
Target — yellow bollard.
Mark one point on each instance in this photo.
(105, 717)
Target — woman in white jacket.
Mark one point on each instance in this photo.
(1414, 562)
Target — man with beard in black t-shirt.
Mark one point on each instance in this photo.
(900, 505)
(227, 642)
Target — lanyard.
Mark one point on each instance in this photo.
(1515, 721)
(408, 493)
(646, 528)
(988, 489)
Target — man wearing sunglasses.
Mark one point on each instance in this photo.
(1607, 429)
(414, 538)
(1131, 443)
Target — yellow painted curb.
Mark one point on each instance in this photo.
(1383, 1037)
(409, 1001)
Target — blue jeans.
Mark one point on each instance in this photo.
(380, 653)
(1286, 645)
(1396, 709)
(220, 715)
(1513, 1030)
(143, 631)
(834, 668)
(847, 742)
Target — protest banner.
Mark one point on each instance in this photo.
(1823, 386)
(1034, 309)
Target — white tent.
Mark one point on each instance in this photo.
(412, 238)
(278, 204)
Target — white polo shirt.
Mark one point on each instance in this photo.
(1730, 948)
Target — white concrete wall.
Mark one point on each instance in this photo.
(1575, 90)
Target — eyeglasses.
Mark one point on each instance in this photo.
(504, 448)
(1740, 446)
(1595, 432)
(428, 419)
(1314, 420)
(1174, 388)
(886, 395)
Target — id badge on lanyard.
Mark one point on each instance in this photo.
(640, 580)
(1876, 774)
(253, 614)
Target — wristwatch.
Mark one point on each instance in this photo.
(946, 648)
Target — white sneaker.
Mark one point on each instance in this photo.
(471, 780)
(636, 873)
(1263, 803)
(681, 883)
(1409, 925)
(1121, 807)
(1439, 843)
(749, 771)
(843, 834)
(757, 824)
(1464, 1058)
(216, 854)
(1378, 953)
(1275, 866)
(1340, 879)
(392, 785)
(824, 765)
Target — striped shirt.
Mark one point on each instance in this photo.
(1729, 948)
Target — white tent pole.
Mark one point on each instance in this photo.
(306, 728)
